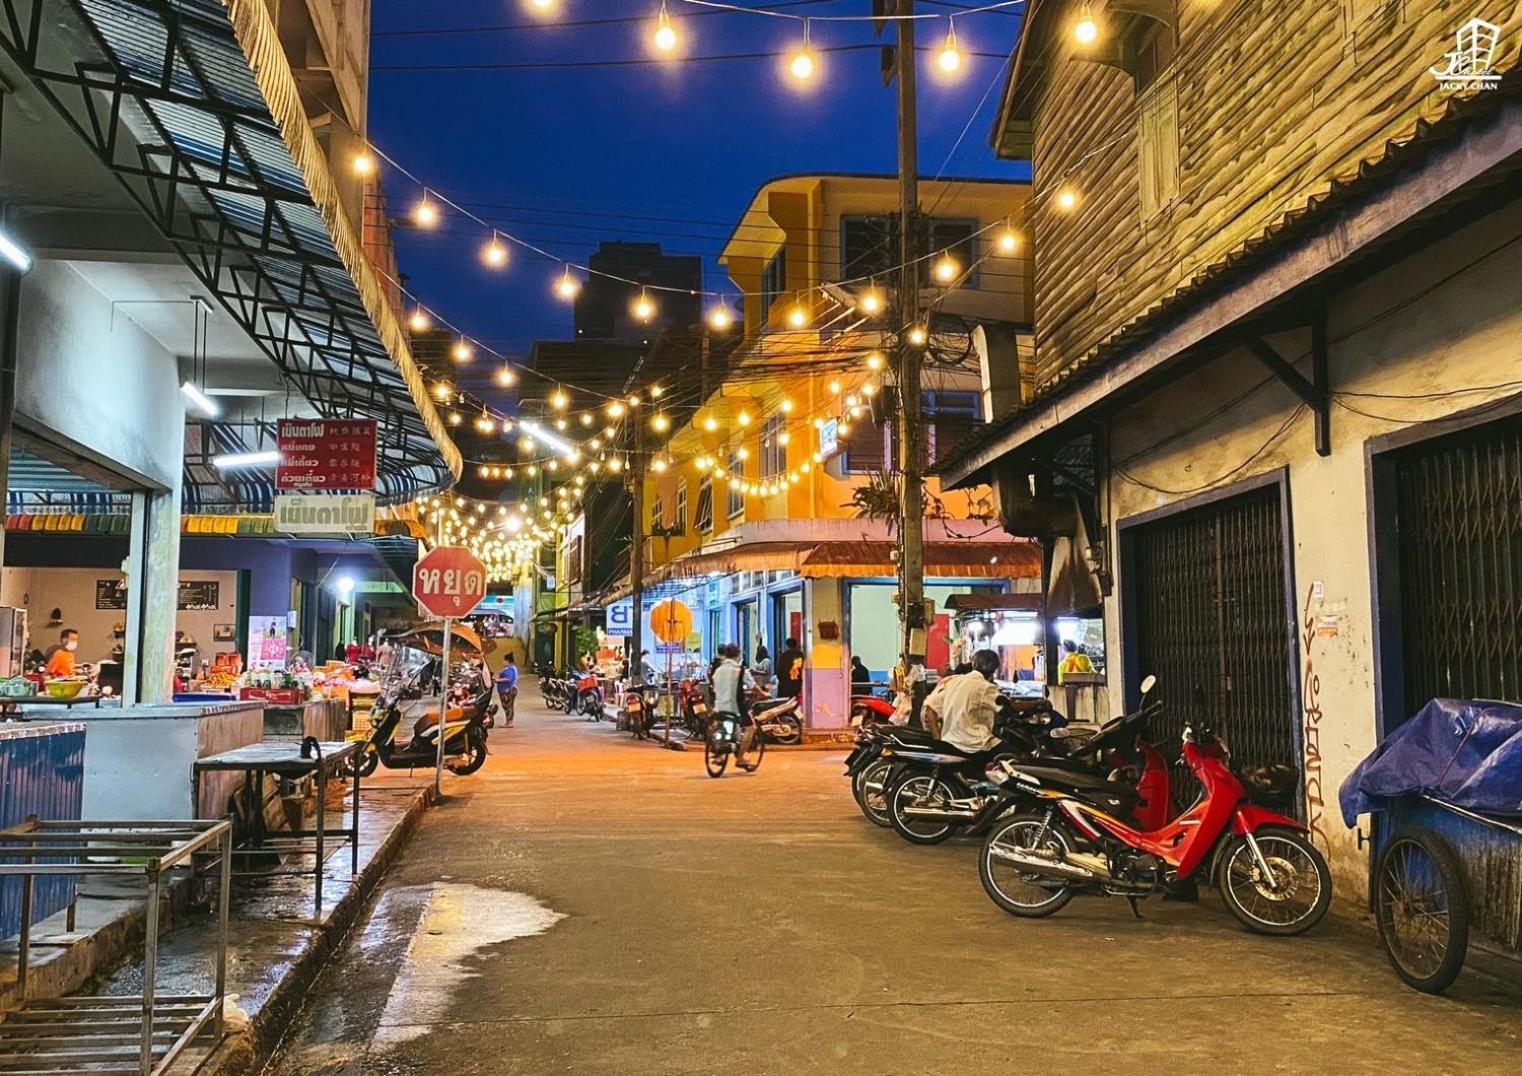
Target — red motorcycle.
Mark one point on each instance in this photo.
(694, 711)
(868, 710)
(1067, 838)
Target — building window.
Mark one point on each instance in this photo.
(773, 283)
(950, 418)
(952, 237)
(736, 502)
(773, 451)
(1153, 45)
(1157, 145)
(681, 508)
(704, 518)
(656, 514)
(866, 449)
(869, 246)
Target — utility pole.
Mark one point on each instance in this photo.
(911, 440)
(636, 472)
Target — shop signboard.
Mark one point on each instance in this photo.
(325, 454)
(267, 642)
(195, 595)
(620, 619)
(829, 438)
(340, 515)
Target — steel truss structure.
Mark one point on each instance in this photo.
(164, 95)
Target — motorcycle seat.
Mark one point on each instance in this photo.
(1073, 780)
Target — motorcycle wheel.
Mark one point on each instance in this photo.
(870, 788)
(793, 734)
(1017, 893)
(1299, 895)
(473, 758)
(1422, 906)
(366, 760)
(714, 760)
(905, 791)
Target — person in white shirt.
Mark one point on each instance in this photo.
(731, 682)
(962, 709)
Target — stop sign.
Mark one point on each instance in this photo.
(449, 581)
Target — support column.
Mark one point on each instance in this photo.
(10, 314)
(152, 569)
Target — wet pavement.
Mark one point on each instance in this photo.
(587, 904)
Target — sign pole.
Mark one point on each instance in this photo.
(438, 772)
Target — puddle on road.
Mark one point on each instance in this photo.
(459, 921)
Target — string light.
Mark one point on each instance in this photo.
(559, 400)
(561, 424)
(1086, 30)
(875, 361)
(494, 253)
(463, 352)
(834, 388)
(586, 418)
(950, 58)
(454, 418)
(918, 336)
(743, 418)
(871, 302)
(425, 213)
(797, 316)
(1067, 199)
(567, 287)
(656, 392)
(710, 424)
(665, 37)
(364, 164)
(786, 406)
(720, 319)
(802, 64)
(442, 390)
(616, 409)
(1008, 241)
(419, 321)
(643, 308)
(506, 377)
(947, 269)
(660, 423)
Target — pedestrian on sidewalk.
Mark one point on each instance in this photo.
(507, 690)
(790, 671)
(761, 669)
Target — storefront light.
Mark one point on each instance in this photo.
(13, 252)
(204, 403)
(244, 459)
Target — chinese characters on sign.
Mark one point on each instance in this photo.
(325, 454)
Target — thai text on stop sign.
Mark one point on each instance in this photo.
(460, 588)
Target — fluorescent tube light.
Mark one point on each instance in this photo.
(12, 252)
(200, 399)
(244, 459)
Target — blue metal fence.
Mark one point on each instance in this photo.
(42, 773)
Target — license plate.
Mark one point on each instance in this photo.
(699, 708)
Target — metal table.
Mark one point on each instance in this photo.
(290, 760)
(113, 1033)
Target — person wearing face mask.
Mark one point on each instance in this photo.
(61, 662)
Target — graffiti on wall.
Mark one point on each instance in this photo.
(1311, 628)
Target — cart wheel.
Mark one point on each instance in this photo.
(1423, 910)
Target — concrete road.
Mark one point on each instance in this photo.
(590, 905)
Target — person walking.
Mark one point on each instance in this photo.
(507, 690)
(761, 669)
(790, 671)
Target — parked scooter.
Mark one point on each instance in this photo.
(779, 721)
(585, 696)
(692, 708)
(464, 735)
(1067, 836)
(640, 702)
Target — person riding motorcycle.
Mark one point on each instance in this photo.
(963, 708)
(731, 684)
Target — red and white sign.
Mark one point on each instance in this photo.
(449, 581)
(325, 454)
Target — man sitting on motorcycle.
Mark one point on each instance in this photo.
(732, 684)
(962, 709)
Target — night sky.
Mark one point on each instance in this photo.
(674, 152)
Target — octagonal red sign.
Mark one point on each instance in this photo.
(449, 581)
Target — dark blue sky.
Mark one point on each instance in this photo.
(670, 153)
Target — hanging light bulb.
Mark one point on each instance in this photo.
(544, 7)
(586, 418)
(834, 388)
(786, 406)
(616, 409)
(419, 320)
(442, 390)
(644, 308)
(425, 213)
(710, 424)
(660, 423)
(875, 361)
(506, 377)
(454, 418)
(950, 58)
(743, 418)
(797, 316)
(665, 37)
(918, 336)
(947, 269)
(1067, 199)
(802, 64)
(1008, 241)
(871, 302)
(1086, 30)
(559, 400)
(720, 319)
(567, 287)
(561, 424)
(656, 392)
(494, 253)
(463, 352)
(784, 437)
(364, 164)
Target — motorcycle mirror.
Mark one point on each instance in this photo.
(1147, 685)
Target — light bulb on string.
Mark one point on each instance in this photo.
(786, 406)
(463, 352)
(364, 164)
(543, 7)
(665, 37)
(797, 316)
(743, 418)
(875, 361)
(494, 253)
(803, 64)
(643, 308)
(656, 392)
(1067, 199)
(425, 214)
(586, 418)
(561, 424)
(442, 390)
(947, 269)
(872, 302)
(506, 377)
(419, 321)
(660, 423)
(1008, 241)
(454, 418)
(710, 424)
(720, 319)
(567, 286)
(1086, 30)
(950, 58)
(559, 400)
(918, 336)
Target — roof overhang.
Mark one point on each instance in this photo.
(1447, 173)
(194, 109)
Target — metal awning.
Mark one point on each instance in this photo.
(1007, 559)
(193, 107)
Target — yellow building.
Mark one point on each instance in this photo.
(768, 507)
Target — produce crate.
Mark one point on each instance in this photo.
(275, 696)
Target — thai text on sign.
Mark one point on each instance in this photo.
(325, 454)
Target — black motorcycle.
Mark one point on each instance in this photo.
(464, 733)
(640, 702)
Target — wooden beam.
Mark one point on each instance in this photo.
(1313, 392)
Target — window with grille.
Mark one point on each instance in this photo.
(736, 502)
(773, 282)
(656, 514)
(681, 508)
(773, 451)
(704, 515)
(869, 246)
